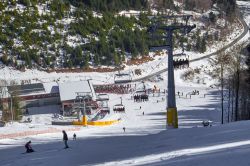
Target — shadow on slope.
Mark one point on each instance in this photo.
(194, 115)
(117, 148)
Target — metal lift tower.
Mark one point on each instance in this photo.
(172, 117)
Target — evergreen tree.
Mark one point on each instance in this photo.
(203, 45)
(228, 6)
(189, 4)
(116, 59)
(86, 60)
(78, 58)
(47, 60)
(25, 2)
(198, 43)
(16, 107)
(134, 51)
(96, 59)
(69, 63)
(4, 59)
(27, 59)
(189, 46)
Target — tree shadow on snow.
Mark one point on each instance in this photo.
(92, 150)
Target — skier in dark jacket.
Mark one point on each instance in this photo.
(28, 147)
(65, 139)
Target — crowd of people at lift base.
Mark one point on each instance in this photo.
(117, 89)
(140, 97)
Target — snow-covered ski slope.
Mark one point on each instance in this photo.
(146, 140)
(145, 134)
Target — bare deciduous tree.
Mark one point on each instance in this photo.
(221, 63)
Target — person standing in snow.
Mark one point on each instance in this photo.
(74, 136)
(124, 129)
(65, 139)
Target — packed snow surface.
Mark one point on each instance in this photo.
(146, 140)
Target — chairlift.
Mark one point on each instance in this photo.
(102, 97)
(84, 105)
(122, 78)
(119, 108)
(88, 110)
(140, 96)
(80, 100)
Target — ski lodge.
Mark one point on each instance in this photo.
(70, 90)
(43, 94)
(31, 95)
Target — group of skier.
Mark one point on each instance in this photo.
(29, 148)
(181, 63)
(140, 98)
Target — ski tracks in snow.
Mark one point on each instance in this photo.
(172, 156)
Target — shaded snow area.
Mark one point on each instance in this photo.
(146, 139)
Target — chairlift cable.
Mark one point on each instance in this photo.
(157, 65)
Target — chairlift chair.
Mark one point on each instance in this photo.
(119, 108)
(102, 97)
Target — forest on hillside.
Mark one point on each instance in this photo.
(81, 33)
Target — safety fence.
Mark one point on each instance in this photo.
(95, 123)
(31, 133)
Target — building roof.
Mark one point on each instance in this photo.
(26, 89)
(51, 87)
(69, 90)
(30, 89)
